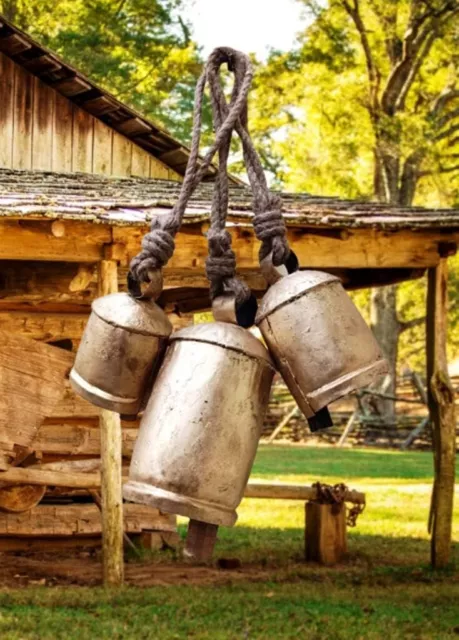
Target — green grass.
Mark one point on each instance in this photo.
(384, 590)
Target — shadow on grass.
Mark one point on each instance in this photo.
(279, 548)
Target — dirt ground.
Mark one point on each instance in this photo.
(19, 569)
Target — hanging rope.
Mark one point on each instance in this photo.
(268, 221)
(158, 245)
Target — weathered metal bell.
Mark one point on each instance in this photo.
(319, 341)
(200, 430)
(121, 348)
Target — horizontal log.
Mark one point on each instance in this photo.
(34, 240)
(76, 480)
(67, 439)
(73, 479)
(80, 520)
(354, 249)
(282, 491)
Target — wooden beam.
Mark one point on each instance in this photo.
(79, 520)
(282, 491)
(34, 240)
(85, 242)
(43, 477)
(111, 457)
(441, 408)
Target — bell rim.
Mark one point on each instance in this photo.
(252, 347)
(272, 301)
(127, 407)
(164, 327)
(178, 504)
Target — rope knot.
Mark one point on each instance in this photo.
(269, 227)
(157, 248)
(221, 262)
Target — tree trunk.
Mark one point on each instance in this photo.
(384, 319)
(386, 327)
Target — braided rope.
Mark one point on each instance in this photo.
(158, 245)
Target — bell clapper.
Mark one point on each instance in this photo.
(200, 541)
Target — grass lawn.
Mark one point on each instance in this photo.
(384, 590)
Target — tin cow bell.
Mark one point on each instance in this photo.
(121, 348)
(319, 341)
(200, 430)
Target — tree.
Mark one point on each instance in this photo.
(368, 106)
(139, 50)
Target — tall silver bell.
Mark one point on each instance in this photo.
(122, 346)
(319, 341)
(200, 430)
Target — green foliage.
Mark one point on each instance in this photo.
(139, 50)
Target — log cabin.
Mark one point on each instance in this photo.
(81, 177)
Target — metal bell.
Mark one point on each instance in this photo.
(121, 348)
(319, 341)
(200, 430)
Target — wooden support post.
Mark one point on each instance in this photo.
(325, 533)
(441, 408)
(111, 465)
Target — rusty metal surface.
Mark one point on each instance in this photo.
(318, 339)
(200, 430)
(120, 348)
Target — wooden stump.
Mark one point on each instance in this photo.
(325, 535)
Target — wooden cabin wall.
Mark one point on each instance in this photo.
(41, 129)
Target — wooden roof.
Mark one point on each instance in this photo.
(134, 201)
(80, 90)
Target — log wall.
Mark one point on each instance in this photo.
(42, 130)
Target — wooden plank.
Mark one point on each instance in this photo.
(111, 458)
(43, 124)
(7, 70)
(14, 44)
(79, 520)
(71, 87)
(100, 106)
(159, 170)
(133, 127)
(77, 439)
(63, 134)
(442, 414)
(103, 143)
(122, 155)
(83, 137)
(33, 240)
(23, 107)
(140, 162)
(42, 64)
(47, 327)
(32, 377)
(46, 283)
(357, 249)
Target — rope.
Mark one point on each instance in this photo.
(158, 245)
(221, 262)
(268, 221)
